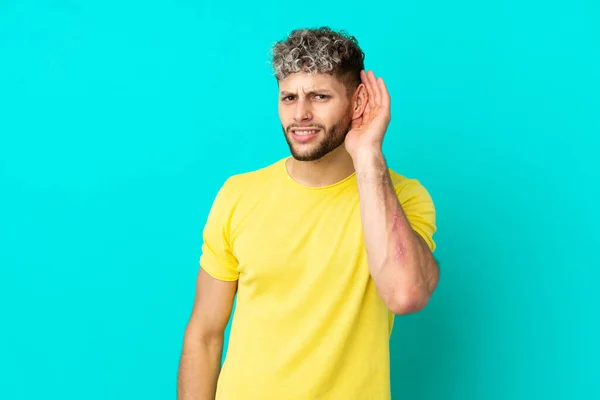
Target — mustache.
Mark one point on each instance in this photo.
(305, 126)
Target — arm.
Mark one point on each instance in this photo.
(200, 362)
(400, 261)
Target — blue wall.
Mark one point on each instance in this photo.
(120, 120)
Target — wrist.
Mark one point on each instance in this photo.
(367, 157)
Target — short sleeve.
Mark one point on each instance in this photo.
(217, 258)
(419, 208)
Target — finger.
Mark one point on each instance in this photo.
(375, 88)
(385, 94)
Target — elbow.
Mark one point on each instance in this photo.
(410, 298)
(407, 302)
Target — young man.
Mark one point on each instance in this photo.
(323, 248)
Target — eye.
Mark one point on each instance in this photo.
(287, 98)
(322, 96)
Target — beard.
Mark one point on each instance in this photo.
(333, 138)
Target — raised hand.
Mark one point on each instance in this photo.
(367, 132)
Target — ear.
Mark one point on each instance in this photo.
(359, 101)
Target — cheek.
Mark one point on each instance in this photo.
(326, 115)
(339, 112)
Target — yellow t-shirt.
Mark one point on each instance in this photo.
(308, 322)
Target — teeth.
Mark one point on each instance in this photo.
(302, 133)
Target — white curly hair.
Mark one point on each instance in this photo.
(319, 51)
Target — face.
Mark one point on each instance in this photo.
(315, 113)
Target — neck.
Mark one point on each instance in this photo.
(332, 168)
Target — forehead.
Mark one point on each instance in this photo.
(304, 82)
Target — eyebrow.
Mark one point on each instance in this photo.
(316, 91)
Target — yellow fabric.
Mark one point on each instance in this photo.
(308, 322)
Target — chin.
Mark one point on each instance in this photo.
(314, 154)
(304, 157)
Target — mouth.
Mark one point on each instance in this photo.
(304, 135)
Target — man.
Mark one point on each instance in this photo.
(323, 248)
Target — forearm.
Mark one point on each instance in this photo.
(400, 262)
(199, 368)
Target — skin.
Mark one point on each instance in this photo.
(200, 362)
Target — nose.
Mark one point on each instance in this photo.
(302, 111)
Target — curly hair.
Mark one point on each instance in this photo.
(321, 51)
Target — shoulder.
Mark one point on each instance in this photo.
(245, 184)
(417, 205)
(408, 188)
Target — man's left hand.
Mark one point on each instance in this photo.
(366, 132)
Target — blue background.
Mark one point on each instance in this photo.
(119, 121)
